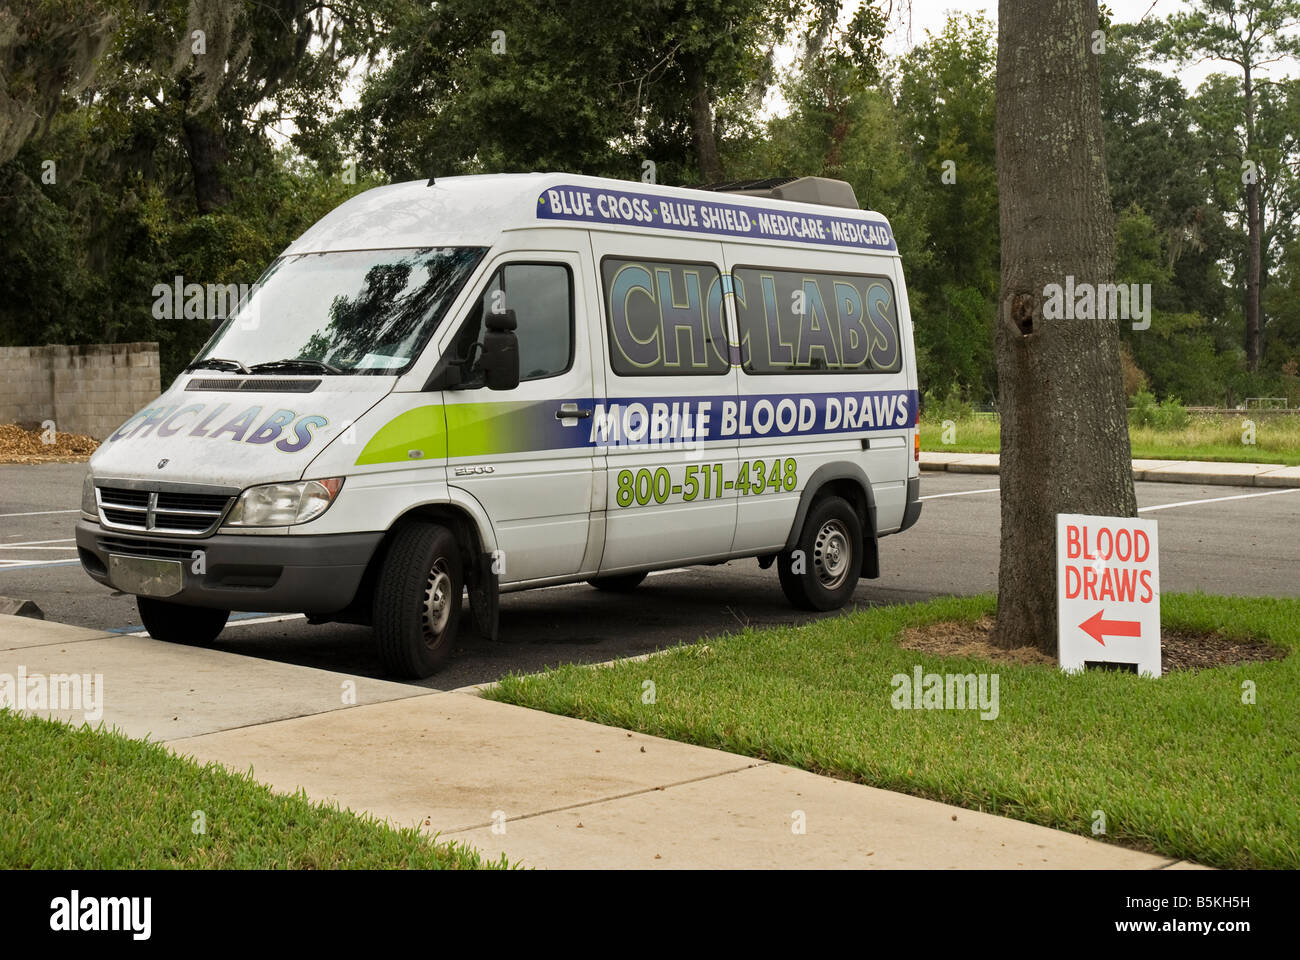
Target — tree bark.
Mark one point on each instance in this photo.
(206, 148)
(706, 146)
(1065, 443)
(1254, 333)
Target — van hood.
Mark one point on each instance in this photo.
(216, 430)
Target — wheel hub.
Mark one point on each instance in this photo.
(832, 554)
(437, 602)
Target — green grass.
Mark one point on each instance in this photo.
(91, 799)
(1277, 439)
(1179, 765)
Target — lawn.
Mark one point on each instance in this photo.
(86, 799)
(1180, 765)
(1277, 439)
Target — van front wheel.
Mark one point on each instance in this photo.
(821, 572)
(178, 623)
(417, 600)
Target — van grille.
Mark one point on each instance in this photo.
(161, 511)
(153, 549)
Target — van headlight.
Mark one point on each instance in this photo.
(284, 504)
(88, 504)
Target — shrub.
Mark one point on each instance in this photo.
(1168, 414)
(952, 406)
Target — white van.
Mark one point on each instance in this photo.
(492, 383)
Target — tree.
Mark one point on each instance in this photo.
(81, 252)
(946, 102)
(1221, 151)
(1250, 34)
(1065, 444)
(49, 50)
(483, 86)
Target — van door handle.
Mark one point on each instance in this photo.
(568, 410)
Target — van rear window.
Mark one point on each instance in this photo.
(799, 321)
(665, 318)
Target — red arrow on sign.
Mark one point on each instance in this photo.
(1095, 627)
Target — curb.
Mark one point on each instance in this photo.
(1156, 471)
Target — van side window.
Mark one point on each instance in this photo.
(665, 318)
(801, 321)
(541, 295)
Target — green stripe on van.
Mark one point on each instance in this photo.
(491, 428)
(424, 428)
(458, 430)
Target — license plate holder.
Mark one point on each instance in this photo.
(145, 576)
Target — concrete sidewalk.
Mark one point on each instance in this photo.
(1164, 471)
(544, 790)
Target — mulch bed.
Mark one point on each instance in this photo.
(1179, 650)
(20, 445)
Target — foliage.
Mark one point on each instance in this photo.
(1166, 414)
(166, 162)
(953, 405)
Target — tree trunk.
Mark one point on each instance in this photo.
(1254, 337)
(706, 146)
(206, 147)
(1065, 443)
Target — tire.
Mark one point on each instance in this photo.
(831, 542)
(178, 623)
(620, 583)
(417, 600)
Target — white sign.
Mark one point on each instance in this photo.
(1108, 593)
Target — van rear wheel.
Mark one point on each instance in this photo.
(178, 623)
(417, 600)
(622, 583)
(821, 572)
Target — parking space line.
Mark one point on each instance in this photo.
(1193, 503)
(38, 513)
(33, 543)
(1158, 506)
(959, 493)
(29, 564)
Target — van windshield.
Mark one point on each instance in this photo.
(353, 312)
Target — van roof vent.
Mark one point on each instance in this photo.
(818, 190)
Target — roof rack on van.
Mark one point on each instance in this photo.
(819, 190)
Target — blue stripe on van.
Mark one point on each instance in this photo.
(712, 217)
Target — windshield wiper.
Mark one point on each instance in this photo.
(301, 363)
(218, 363)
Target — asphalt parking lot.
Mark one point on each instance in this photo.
(1232, 540)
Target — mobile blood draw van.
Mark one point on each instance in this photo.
(489, 383)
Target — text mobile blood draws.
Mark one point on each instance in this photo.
(694, 419)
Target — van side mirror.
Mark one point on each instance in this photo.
(499, 360)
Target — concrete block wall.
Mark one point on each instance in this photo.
(83, 389)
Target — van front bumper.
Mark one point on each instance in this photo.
(272, 573)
